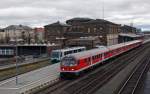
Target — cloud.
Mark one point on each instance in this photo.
(42, 12)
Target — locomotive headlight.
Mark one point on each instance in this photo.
(72, 69)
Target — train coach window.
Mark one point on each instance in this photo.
(65, 53)
(89, 59)
(93, 57)
(82, 49)
(100, 55)
(79, 50)
(69, 52)
(85, 60)
(75, 51)
(97, 56)
(105, 54)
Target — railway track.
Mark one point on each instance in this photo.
(132, 84)
(92, 83)
(96, 79)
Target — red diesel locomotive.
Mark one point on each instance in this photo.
(74, 64)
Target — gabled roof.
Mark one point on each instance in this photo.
(18, 27)
(80, 19)
(100, 21)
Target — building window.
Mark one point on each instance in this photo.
(89, 30)
(7, 52)
(0, 51)
(12, 52)
(3, 52)
(101, 28)
(94, 29)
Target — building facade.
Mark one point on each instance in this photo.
(105, 30)
(39, 35)
(75, 28)
(54, 33)
(18, 33)
(128, 29)
(2, 36)
(88, 42)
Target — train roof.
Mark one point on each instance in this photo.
(122, 44)
(68, 49)
(89, 52)
(101, 50)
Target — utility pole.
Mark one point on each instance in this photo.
(16, 60)
(103, 10)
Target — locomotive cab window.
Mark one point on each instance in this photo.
(68, 61)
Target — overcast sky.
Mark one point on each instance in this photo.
(42, 12)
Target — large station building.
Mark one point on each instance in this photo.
(83, 27)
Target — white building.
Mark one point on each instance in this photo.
(18, 33)
(2, 35)
(39, 34)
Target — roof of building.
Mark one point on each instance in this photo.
(39, 29)
(80, 19)
(18, 27)
(27, 45)
(129, 27)
(1, 30)
(91, 38)
(99, 21)
(59, 24)
(146, 32)
(130, 35)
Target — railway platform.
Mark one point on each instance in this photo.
(30, 81)
(146, 41)
(146, 89)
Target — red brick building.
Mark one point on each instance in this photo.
(55, 31)
(84, 27)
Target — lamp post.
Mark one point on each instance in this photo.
(16, 55)
(16, 64)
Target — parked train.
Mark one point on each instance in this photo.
(57, 55)
(73, 65)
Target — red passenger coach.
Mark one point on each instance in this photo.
(74, 64)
